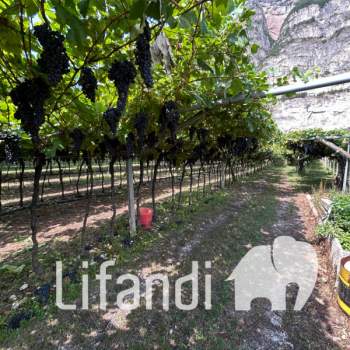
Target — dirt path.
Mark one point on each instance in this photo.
(320, 325)
(252, 213)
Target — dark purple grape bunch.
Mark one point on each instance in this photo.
(88, 83)
(53, 61)
(78, 138)
(226, 144)
(202, 148)
(241, 146)
(123, 74)
(112, 117)
(175, 151)
(202, 135)
(143, 55)
(254, 144)
(140, 124)
(113, 146)
(29, 97)
(191, 132)
(130, 140)
(169, 118)
(222, 141)
(12, 152)
(245, 145)
(151, 140)
(101, 151)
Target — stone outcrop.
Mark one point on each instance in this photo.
(306, 34)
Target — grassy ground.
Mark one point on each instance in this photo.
(220, 228)
(177, 229)
(314, 176)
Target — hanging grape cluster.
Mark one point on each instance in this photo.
(224, 142)
(151, 140)
(29, 97)
(11, 147)
(202, 135)
(309, 149)
(130, 145)
(88, 83)
(140, 124)
(175, 151)
(78, 137)
(244, 145)
(112, 117)
(53, 60)
(169, 118)
(317, 150)
(101, 151)
(239, 146)
(143, 55)
(202, 150)
(123, 74)
(191, 132)
(113, 146)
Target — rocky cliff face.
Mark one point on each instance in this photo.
(305, 34)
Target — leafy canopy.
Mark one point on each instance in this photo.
(211, 61)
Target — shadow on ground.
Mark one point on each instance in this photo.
(252, 213)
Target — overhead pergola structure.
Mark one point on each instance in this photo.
(312, 85)
(302, 87)
(338, 150)
(327, 142)
(342, 152)
(334, 147)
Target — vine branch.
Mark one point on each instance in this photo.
(21, 24)
(43, 13)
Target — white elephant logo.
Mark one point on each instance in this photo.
(265, 272)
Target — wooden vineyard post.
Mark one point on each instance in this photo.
(346, 174)
(131, 197)
(334, 147)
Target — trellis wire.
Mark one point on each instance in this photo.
(51, 186)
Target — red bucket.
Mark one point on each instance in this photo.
(145, 217)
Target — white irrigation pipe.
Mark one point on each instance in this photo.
(312, 85)
(278, 91)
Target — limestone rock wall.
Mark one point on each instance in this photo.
(305, 34)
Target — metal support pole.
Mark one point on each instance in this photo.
(131, 198)
(345, 181)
